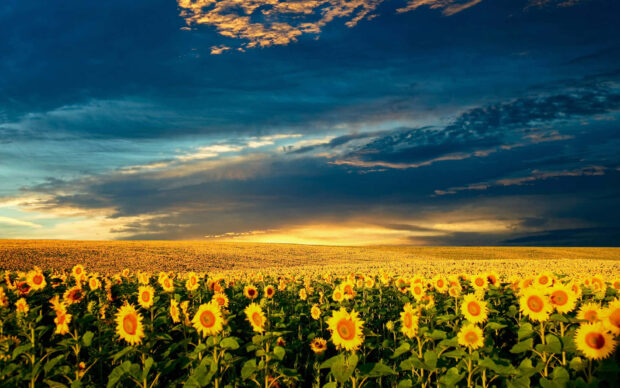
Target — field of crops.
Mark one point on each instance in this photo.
(330, 326)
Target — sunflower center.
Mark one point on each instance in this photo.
(590, 315)
(614, 317)
(146, 296)
(251, 292)
(440, 283)
(207, 318)
(559, 298)
(595, 340)
(257, 319)
(346, 329)
(61, 319)
(535, 303)
(37, 279)
(417, 290)
(471, 337)
(473, 308)
(543, 280)
(130, 324)
(479, 282)
(408, 321)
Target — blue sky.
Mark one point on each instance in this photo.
(427, 122)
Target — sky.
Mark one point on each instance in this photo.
(340, 122)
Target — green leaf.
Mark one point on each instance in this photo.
(117, 373)
(495, 326)
(560, 376)
(249, 367)
(503, 368)
(523, 346)
(430, 359)
(458, 353)
(147, 367)
(437, 335)
(330, 361)
(87, 338)
(279, 352)
(405, 383)
(525, 331)
(411, 363)
(229, 343)
(331, 384)
(122, 353)
(576, 364)
(403, 348)
(50, 364)
(343, 368)
(451, 378)
(521, 382)
(376, 370)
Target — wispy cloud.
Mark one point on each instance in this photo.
(15, 222)
(448, 7)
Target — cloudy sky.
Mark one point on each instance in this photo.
(426, 122)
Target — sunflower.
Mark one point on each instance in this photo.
(471, 336)
(594, 341)
(22, 306)
(62, 321)
(256, 317)
(562, 298)
(221, 299)
(315, 312)
(338, 295)
(590, 312)
(346, 329)
(417, 290)
(167, 284)
(250, 292)
(616, 284)
(191, 283)
(144, 278)
(208, 319)
(77, 271)
(36, 279)
(303, 295)
(4, 300)
(545, 279)
(318, 345)
(174, 311)
(611, 316)
(57, 305)
(409, 320)
(369, 282)
(348, 289)
(94, 283)
(270, 291)
(474, 309)
(535, 304)
(145, 296)
(184, 306)
(73, 295)
(455, 290)
(479, 282)
(493, 278)
(129, 324)
(440, 284)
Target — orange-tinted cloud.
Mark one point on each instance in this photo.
(448, 7)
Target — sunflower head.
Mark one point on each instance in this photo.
(562, 298)
(315, 312)
(338, 295)
(22, 306)
(145, 296)
(221, 299)
(36, 279)
(77, 271)
(409, 320)
(590, 312)
(479, 282)
(174, 311)
(535, 304)
(255, 315)
(129, 325)
(250, 292)
(346, 329)
(611, 316)
(318, 345)
(270, 291)
(73, 295)
(594, 341)
(474, 309)
(94, 283)
(208, 319)
(471, 336)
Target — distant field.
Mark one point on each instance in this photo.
(113, 256)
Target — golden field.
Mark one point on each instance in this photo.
(113, 256)
(192, 314)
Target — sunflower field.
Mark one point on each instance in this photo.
(307, 329)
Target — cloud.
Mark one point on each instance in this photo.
(263, 23)
(536, 175)
(448, 7)
(15, 222)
